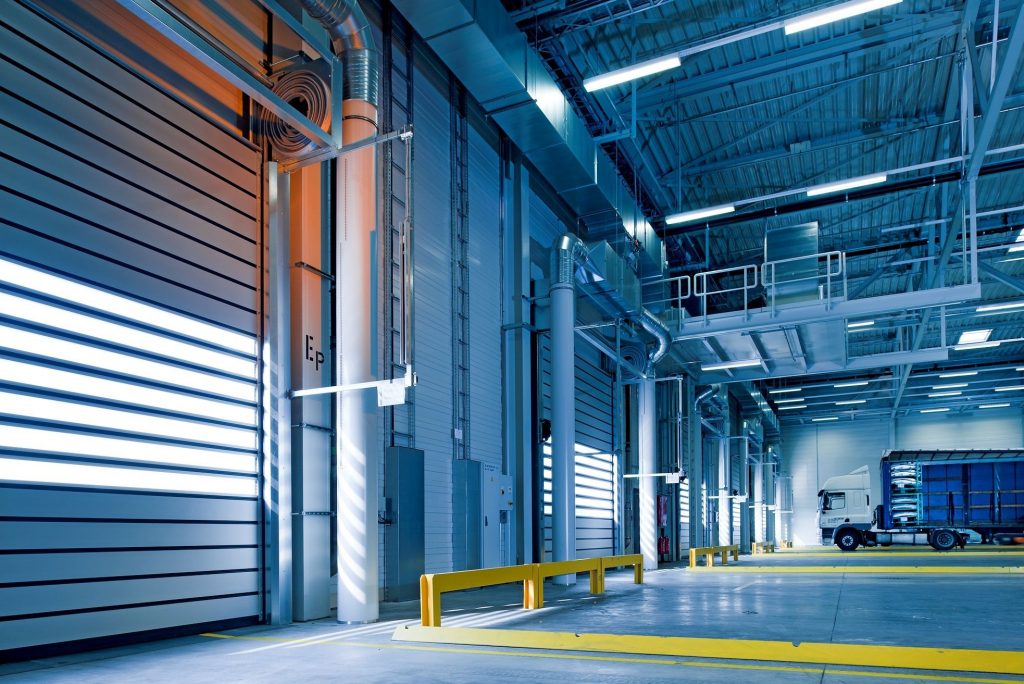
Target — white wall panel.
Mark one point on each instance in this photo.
(980, 430)
(485, 281)
(814, 453)
(433, 312)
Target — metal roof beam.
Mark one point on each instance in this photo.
(1004, 278)
(1007, 73)
(913, 29)
(857, 363)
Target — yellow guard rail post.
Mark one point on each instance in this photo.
(432, 586)
(545, 570)
(709, 552)
(760, 548)
(635, 559)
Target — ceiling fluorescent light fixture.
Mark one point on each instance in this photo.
(846, 185)
(790, 408)
(836, 13)
(973, 336)
(944, 394)
(788, 401)
(975, 345)
(935, 410)
(1000, 307)
(859, 324)
(989, 406)
(824, 420)
(630, 73)
(727, 365)
(688, 216)
(859, 383)
(1010, 388)
(960, 374)
(850, 402)
(797, 389)
(955, 385)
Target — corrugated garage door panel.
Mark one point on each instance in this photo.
(130, 271)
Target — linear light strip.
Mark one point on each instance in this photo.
(126, 392)
(79, 444)
(727, 365)
(993, 406)
(631, 72)
(935, 410)
(25, 406)
(850, 184)
(832, 14)
(698, 214)
(107, 302)
(76, 353)
(85, 475)
(71, 321)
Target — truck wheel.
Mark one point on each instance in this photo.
(848, 540)
(944, 540)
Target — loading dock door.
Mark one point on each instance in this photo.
(130, 271)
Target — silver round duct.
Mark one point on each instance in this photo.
(309, 92)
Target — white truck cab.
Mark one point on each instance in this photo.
(845, 502)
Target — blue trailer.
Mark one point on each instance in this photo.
(935, 497)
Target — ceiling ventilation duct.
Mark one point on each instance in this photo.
(482, 46)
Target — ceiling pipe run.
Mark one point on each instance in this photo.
(356, 432)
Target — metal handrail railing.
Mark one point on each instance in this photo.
(700, 285)
(835, 267)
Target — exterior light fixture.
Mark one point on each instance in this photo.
(630, 73)
(727, 365)
(974, 336)
(688, 216)
(999, 307)
(846, 185)
(831, 14)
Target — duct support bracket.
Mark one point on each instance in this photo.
(326, 154)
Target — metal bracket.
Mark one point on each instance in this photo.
(389, 392)
(328, 153)
(320, 513)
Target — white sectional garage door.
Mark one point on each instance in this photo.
(130, 272)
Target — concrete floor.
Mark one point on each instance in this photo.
(951, 611)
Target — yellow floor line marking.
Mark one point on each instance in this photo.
(899, 657)
(642, 661)
(870, 569)
(944, 555)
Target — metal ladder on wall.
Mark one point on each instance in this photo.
(460, 270)
(399, 421)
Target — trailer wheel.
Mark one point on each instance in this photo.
(944, 540)
(848, 540)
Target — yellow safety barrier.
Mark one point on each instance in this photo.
(758, 548)
(709, 552)
(432, 586)
(786, 544)
(545, 570)
(634, 559)
(532, 576)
